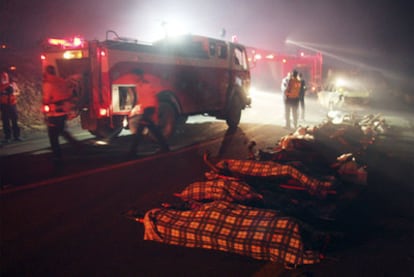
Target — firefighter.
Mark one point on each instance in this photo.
(57, 96)
(303, 89)
(8, 107)
(291, 99)
(285, 82)
(147, 113)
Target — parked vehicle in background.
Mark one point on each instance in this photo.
(346, 88)
(190, 75)
(270, 67)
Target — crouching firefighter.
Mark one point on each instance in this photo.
(144, 115)
(57, 96)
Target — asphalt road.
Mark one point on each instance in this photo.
(68, 221)
(71, 224)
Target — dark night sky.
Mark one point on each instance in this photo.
(379, 31)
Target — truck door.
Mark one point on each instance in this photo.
(239, 68)
(218, 75)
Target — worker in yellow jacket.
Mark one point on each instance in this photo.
(291, 99)
(8, 107)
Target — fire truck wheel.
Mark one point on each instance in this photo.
(167, 117)
(234, 113)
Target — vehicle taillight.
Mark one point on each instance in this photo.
(103, 112)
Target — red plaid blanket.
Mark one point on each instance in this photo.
(257, 233)
(219, 189)
(313, 185)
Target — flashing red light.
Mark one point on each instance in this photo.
(46, 108)
(74, 42)
(258, 57)
(42, 57)
(302, 54)
(103, 53)
(284, 61)
(77, 41)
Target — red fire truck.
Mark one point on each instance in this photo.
(271, 67)
(190, 75)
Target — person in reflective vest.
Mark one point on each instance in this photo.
(291, 100)
(8, 107)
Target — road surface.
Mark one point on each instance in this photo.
(68, 221)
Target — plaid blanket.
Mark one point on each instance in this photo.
(257, 233)
(220, 189)
(313, 185)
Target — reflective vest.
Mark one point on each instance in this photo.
(7, 96)
(293, 88)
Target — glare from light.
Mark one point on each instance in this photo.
(324, 50)
(335, 116)
(171, 28)
(101, 142)
(67, 55)
(77, 41)
(125, 122)
(340, 82)
(103, 112)
(252, 91)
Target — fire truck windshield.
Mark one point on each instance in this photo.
(72, 67)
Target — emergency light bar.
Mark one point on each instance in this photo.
(75, 42)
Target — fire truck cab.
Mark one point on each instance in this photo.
(189, 75)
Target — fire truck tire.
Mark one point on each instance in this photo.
(234, 112)
(167, 119)
(104, 129)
